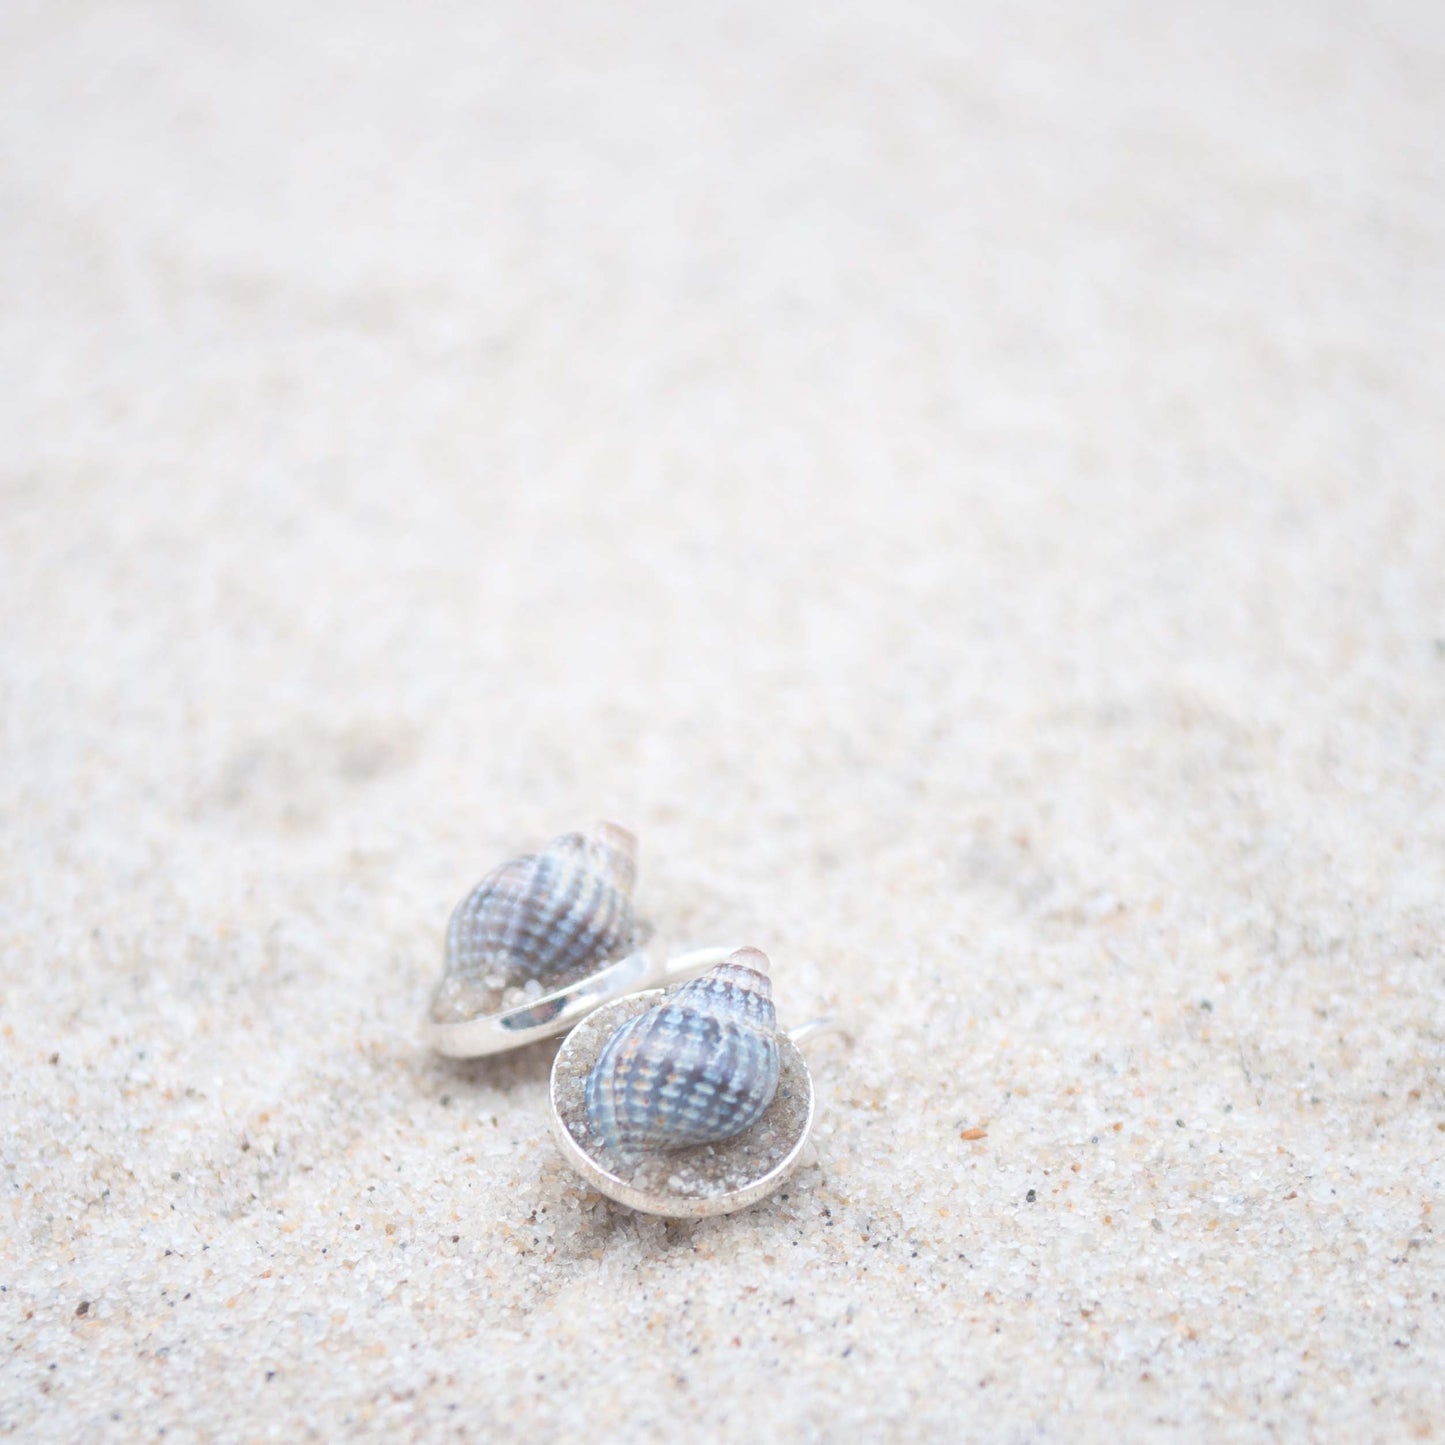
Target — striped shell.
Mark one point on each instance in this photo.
(699, 1067)
(566, 908)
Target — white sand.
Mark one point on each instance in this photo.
(964, 483)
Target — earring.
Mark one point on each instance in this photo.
(686, 1104)
(542, 941)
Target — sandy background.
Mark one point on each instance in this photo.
(964, 482)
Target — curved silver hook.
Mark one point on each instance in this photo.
(556, 1012)
(823, 1024)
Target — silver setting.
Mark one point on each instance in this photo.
(575, 1058)
(556, 1012)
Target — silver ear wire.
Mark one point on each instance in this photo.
(556, 1012)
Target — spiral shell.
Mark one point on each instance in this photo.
(699, 1067)
(551, 913)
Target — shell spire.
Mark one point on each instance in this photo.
(699, 1067)
(548, 913)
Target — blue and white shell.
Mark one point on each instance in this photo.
(566, 908)
(698, 1068)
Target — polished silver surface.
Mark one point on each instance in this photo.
(590, 1160)
(556, 1012)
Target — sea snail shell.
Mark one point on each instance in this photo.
(699, 1067)
(549, 913)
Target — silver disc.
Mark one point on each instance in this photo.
(692, 1183)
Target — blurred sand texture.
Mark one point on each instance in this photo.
(965, 483)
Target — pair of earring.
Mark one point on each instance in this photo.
(674, 1092)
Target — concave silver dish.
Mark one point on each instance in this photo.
(692, 1183)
